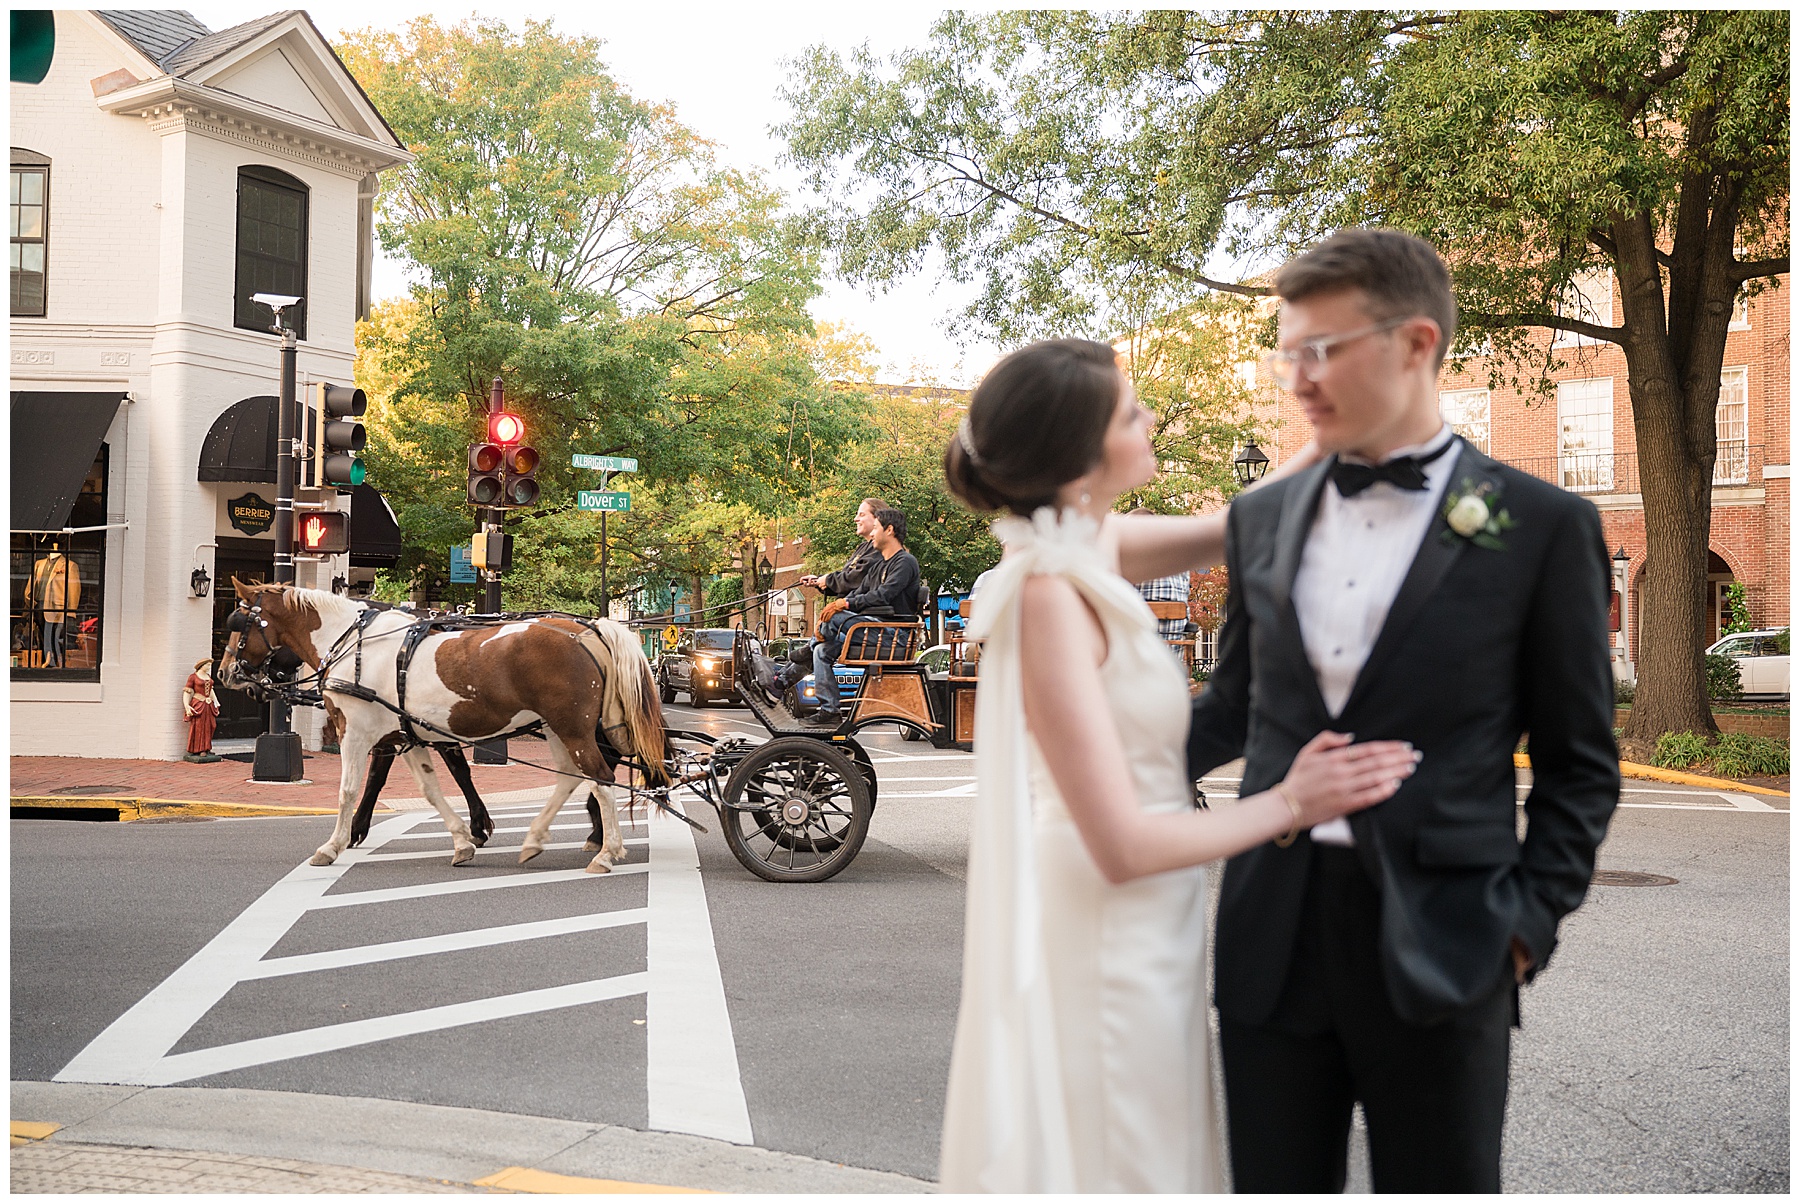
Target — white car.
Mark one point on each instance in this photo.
(1762, 658)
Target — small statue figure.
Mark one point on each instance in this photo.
(201, 709)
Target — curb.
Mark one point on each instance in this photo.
(130, 808)
(1632, 769)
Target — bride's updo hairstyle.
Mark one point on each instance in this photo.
(1037, 421)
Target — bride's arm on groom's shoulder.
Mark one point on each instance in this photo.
(1061, 650)
(1158, 545)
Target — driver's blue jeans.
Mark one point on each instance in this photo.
(825, 653)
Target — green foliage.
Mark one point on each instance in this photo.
(1730, 755)
(583, 245)
(1782, 641)
(1679, 750)
(1724, 677)
(1737, 609)
(1739, 756)
(1624, 692)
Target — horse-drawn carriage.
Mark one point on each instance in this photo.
(794, 808)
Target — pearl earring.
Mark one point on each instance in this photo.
(1086, 497)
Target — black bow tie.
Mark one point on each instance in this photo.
(1402, 472)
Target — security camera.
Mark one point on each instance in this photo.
(275, 301)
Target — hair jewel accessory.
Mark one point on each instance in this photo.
(966, 436)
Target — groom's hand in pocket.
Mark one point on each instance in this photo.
(1521, 959)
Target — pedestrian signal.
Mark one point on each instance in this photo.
(324, 533)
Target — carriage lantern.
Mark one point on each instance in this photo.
(1250, 464)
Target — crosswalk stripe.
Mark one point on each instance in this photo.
(502, 934)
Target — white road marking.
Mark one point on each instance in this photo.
(1746, 802)
(394, 894)
(261, 1050)
(694, 1083)
(503, 934)
(692, 1077)
(492, 848)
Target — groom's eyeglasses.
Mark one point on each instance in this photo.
(1309, 358)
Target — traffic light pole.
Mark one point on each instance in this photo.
(492, 752)
(278, 755)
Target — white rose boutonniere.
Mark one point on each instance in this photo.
(1473, 513)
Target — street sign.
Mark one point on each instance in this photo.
(594, 499)
(604, 463)
(462, 568)
(671, 637)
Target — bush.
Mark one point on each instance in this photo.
(1736, 756)
(1624, 692)
(1679, 750)
(1724, 681)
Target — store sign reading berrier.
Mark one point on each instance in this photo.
(250, 514)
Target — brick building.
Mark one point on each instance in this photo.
(162, 172)
(1581, 437)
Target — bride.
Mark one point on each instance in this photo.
(1081, 1060)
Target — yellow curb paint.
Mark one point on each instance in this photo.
(1632, 769)
(544, 1183)
(32, 1130)
(130, 809)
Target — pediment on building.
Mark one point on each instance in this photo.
(278, 64)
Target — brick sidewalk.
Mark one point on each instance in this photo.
(50, 1167)
(228, 781)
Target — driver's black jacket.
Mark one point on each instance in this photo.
(849, 579)
(892, 583)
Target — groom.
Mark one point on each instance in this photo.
(1408, 588)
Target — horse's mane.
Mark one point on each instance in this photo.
(326, 604)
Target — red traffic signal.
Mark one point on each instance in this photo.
(505, 429)
(324, 533)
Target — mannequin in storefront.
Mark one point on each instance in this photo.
(200, 706)
(55, 590)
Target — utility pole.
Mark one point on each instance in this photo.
(493, 519)
(278, 754)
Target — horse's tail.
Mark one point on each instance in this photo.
(631, 686)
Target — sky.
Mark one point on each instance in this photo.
(720, 67)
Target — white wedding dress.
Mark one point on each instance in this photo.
(1082, 1053)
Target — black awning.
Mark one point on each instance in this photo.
(374, 534)
(240, 445)
(55, 437)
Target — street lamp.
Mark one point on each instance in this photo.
(1250, 464)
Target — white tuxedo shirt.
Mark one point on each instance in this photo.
(1357, 554)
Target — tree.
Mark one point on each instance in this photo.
(1060, 154)
(584, 246)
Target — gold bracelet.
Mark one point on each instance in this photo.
(1282, 842)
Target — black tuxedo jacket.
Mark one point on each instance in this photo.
(1479, 646)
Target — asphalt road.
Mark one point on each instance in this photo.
(1654, 1053)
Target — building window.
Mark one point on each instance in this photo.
(57, 591)
(28, 213)
(1732, 421)
(271, 246)
(1466, 410)
(1587, 299)
(1584, 411)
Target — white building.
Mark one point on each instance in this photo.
(162, 173)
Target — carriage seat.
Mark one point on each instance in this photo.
(881, 642)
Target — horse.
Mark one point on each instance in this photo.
(586, 681)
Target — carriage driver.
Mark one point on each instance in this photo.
(889, 588)
(850, 577)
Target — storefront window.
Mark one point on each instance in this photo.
(57, 591)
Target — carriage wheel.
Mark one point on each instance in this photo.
(868, 769)
(796, 810)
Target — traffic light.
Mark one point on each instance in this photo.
(485, 462)
(521, 476)
(518, 463)
(323, 533)
(338, 439)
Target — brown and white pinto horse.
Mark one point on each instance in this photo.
(586, 680)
